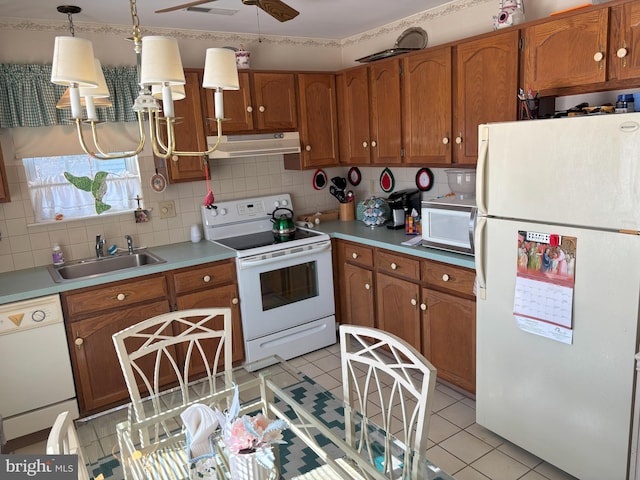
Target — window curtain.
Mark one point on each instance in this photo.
(56, 196)
(28, 98)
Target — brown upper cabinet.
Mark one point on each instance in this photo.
(427, 107)
(369, 114)
(591, 50)
(486, 79)
(4, 184)
(624, 59)
(567, 52)
(189, 133)
(428, 112)
(386, 130)
(265, 102)
(353, 116)
(317, 121)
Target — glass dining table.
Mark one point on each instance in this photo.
(149, 440)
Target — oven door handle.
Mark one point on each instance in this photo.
(260, 260)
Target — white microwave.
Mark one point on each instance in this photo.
(448, 224)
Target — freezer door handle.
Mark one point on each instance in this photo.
(483, 150)
(481, 278)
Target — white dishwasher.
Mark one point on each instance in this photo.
(36, 380)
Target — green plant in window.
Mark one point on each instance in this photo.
(97, 187)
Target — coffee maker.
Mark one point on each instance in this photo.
(401, 204)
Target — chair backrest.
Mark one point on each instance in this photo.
(392, 384)
(173, 349)
(63, 440)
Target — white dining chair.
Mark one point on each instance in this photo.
(63, 440)
(172, 350)
(389, 382)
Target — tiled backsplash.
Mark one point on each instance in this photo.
(23, 245)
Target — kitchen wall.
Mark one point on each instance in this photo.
(23, 245)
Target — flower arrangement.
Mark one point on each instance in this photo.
(250, 434)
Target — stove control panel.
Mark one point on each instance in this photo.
(242, 216)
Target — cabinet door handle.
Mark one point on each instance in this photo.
(354, 255)
(394, 266)
(234, 301)
(79, 341)
(459, 139)
(120, 297)
(365, 144)
(622, 54)
(206, 278)
(249, 109)
(445, 277)
(414, 302)
(445, 140)
(367, 286)
(374, 143)
(423, 307)
(308, 148)
(261, 108)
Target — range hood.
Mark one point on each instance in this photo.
(252, 145)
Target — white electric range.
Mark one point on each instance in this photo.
(286, 287)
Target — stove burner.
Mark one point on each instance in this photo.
(262, 239)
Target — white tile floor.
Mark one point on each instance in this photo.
(457, 444)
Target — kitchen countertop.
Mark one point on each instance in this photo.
(37, 282)
(383, 237)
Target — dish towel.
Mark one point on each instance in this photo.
(201, 422)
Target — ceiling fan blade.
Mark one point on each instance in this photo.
(278, 9)
(184, 5)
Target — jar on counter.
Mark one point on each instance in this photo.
(56, 255)
(630, 102)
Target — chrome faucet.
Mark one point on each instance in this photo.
(99, 246)
(129, 243)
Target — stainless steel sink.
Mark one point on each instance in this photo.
(95, 267)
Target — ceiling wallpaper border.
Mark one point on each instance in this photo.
(235, 38)
(415, 20)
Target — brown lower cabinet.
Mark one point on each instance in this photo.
(94, 314)
(429, 304)
(357, 292)
(448, 337)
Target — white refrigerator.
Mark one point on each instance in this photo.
(558, 288)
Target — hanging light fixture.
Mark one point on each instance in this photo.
(100, 94)
(160, 75)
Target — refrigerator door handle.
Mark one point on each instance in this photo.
(481, 278)
(483, 150)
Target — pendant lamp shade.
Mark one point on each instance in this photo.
(177, 92)
(101, 91)
(73, 62)
(65, 101)
(220, 71)
(160, 62)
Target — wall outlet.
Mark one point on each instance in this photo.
(167, 209)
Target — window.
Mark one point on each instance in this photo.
(79, 186)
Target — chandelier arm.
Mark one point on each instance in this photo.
(109, 156)
(86, 149)
(158, 137)
(206, 152)
(159, 149)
